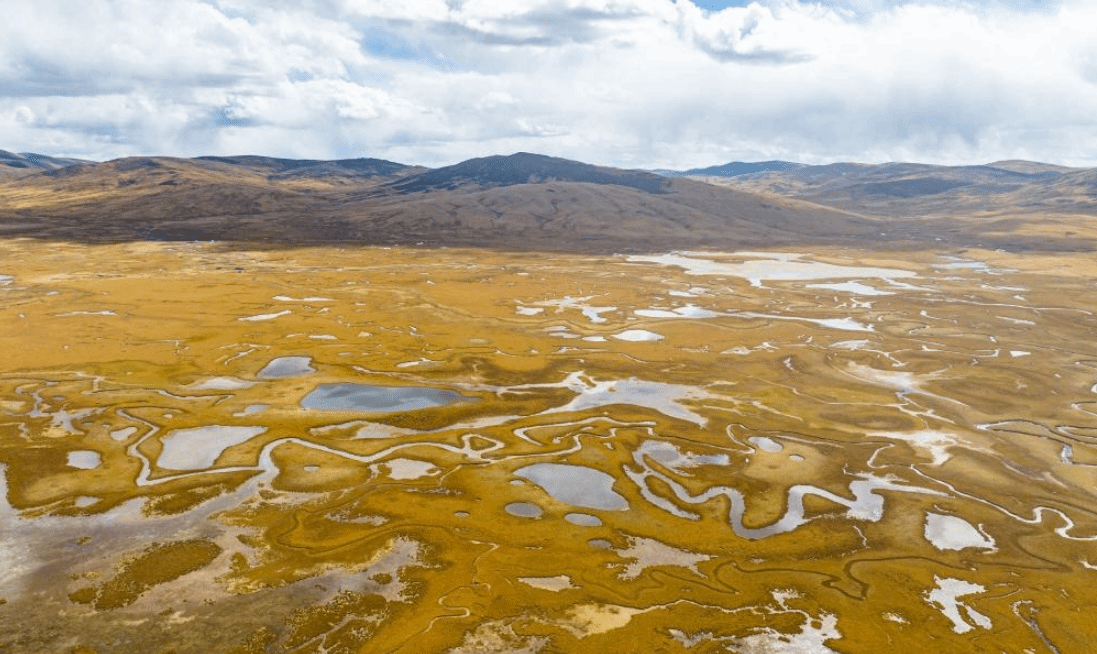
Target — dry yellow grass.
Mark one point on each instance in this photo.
(970, 397)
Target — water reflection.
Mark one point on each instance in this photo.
(524, 509)
(199, 447)
(285, 367)
(366, 397)
(575, 485)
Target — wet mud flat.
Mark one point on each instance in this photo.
(412, 450)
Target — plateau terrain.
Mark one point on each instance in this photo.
(531, 405)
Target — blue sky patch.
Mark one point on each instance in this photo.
(717, 5)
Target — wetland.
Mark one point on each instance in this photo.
(207, 448)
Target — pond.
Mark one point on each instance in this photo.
(379, 399)
(575, 485)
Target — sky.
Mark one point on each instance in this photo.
(630, 83)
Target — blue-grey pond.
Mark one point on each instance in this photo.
(524, 509)
(575, 485)
(583, 519)
(284, 367)
(381, 399)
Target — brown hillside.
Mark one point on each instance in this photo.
(527, 201)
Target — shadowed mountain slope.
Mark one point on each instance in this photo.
(585, 216)
(920, 190)
(1030, 167)
(734, 169)
(276, 168)
(1067, 192)
(533, 202)
(519, 201)
(145, 188)
(25, 163)
(525, 168)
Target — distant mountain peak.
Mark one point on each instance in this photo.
(1028, 167)
(278, 167)
(23, 163)
(525, 168)
(736, 168)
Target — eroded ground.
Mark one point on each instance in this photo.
(400, 450)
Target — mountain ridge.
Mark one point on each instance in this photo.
(522, 200)
(537, 202)
(921, 190)
(734, 169)
(524, 168)
(23, 163)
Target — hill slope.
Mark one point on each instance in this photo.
(25, 163)
(533, 202)
(735, 168)
(921, 190)
(523, 201)
(525, 168)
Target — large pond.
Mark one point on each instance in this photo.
(366, 397)
(766, 266)
(575, 485)
(197, 448)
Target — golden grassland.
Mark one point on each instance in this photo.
(963, 397)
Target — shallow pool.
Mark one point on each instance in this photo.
(197, 448)
(366, 397)
(284, 367)
(575, 485)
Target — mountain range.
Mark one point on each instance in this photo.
(911, 189)
(733, 169)
(536, 202)
(12, 163)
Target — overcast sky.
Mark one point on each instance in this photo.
(633, 83)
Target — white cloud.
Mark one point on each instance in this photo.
(624, 82)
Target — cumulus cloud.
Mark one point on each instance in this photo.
(623, 82)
